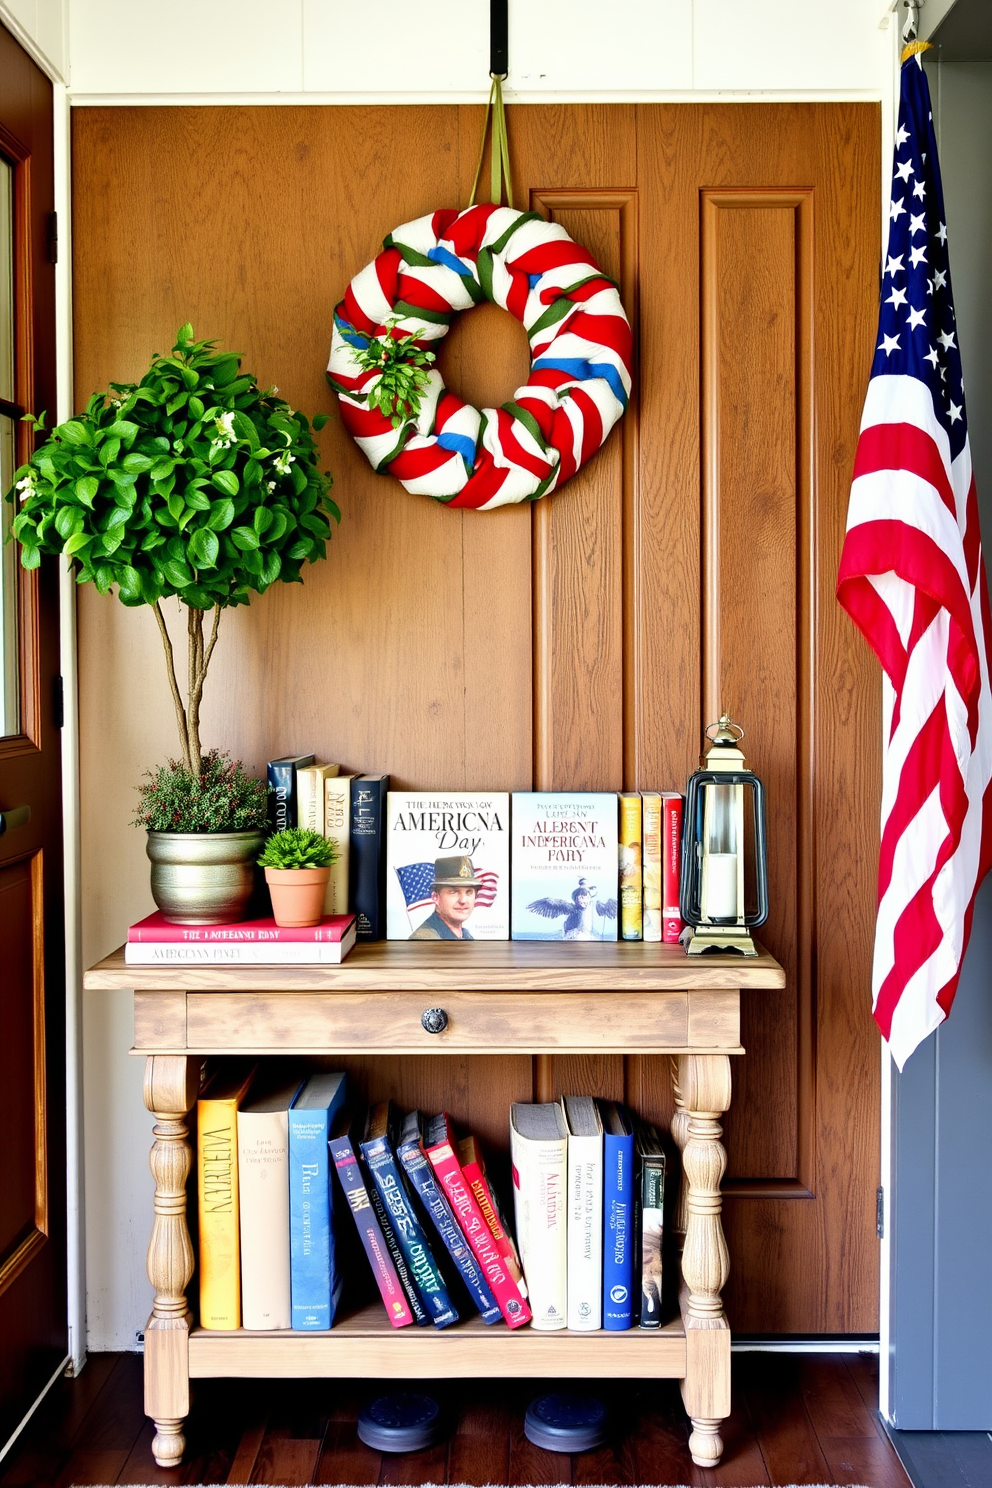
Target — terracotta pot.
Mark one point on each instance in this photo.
(297, 894)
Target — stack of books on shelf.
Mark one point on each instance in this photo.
(444, 866)
(274, 1232)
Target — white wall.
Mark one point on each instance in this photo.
(41, 27)
(339, 51)
(336, 52)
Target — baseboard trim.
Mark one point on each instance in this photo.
(57, 1375)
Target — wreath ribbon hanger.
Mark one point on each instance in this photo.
(392, 398)
(499, 159)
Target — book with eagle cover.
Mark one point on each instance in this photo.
(423, 827)
(565, 850)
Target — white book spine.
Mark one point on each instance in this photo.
(241, 953)
(263, 1191)
(585, 1233)
(539, 1198)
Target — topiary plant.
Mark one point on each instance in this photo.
(298, 847)
(193, 483)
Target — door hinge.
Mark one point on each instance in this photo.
(880, 1213)
(53, 237)
(58, 702)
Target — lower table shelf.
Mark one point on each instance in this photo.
(363, 1344)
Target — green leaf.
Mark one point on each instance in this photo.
(76, 543)
(123, 429)
(109, 450)
(224, 370)
(175, 402)
(136, 463)
(279, 525)
(271, 566)
(73, 432)
(245, 538)
(176, 573)
(129, 585)
(160, 470)
(196, 499)
(204, 546)
(262, 520)
(68, 521)
(252, 473)
(319, 420)
(227, 481)
(30, 557)
(86, 488)
(245, 429)
(176, 506)
(196, 407)
(221, 515)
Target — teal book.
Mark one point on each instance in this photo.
(313, 1274)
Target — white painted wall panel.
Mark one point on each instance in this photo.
(187, 46)
(778, 44)
(40, 27)
(340, 51)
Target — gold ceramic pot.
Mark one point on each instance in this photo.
(203, 878)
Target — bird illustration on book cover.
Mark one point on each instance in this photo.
(565, 866)
(580, 914)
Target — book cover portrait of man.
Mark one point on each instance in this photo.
(453, 894)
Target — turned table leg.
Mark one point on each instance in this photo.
(702, 1096)
(171, 1084)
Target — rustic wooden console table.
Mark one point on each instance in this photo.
(500, 998)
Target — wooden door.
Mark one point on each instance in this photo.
(584, 642)
(32, 1024)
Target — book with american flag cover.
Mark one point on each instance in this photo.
(447, 865)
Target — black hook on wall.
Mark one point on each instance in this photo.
(499, 44)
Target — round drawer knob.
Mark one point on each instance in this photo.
(434, 1020)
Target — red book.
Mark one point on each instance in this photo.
(474, 1170)
(155, 929)
(444, 1160)
(671, 866)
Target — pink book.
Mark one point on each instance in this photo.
(155, 929)
(443, 1154)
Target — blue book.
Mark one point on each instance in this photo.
(313, 1275)
(367, 864)
(420, 1176)
(281, 779)
(386, 1176)
(618, 1217)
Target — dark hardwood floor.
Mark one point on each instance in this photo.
(798, 1418)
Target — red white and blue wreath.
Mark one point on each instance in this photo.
(393, 400)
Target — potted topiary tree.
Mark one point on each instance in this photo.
(196, 484)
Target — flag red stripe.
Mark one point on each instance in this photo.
(904, 447)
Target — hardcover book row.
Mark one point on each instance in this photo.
(447, 866)
(588, 1195)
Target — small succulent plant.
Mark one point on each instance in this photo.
(297, 847)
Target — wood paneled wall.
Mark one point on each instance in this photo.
(582, 643)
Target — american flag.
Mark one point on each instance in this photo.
(416, 879)
(912, 579)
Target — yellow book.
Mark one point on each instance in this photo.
(337, 826)
(310, 808)
(217, 1193)
(630, 866)
(651, 863)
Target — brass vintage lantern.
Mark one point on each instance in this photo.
(724, 888)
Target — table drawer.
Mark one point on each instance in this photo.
(475, 1022)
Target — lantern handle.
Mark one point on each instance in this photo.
(725, 726)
